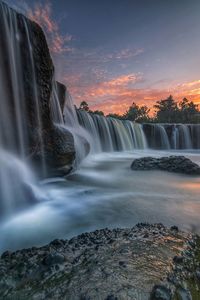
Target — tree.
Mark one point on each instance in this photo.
(84, 105)
(188, 111)
(115, 116)
(98, 112)
(137, 113)
(167, 110)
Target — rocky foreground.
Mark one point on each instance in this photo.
(144, 262)
(175, 164)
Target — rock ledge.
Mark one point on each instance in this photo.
(143, 262)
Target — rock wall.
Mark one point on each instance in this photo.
(43, 139)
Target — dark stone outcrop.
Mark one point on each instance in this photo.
(43, 140)
(176, 164)
(135, 263)
(61, 90)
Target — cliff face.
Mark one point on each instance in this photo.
(27, 79)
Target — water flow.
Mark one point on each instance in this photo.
(82, 139)
(185, 137)
(110, 134)
(16, 177)
(172, 136)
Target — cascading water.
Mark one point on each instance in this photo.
(185, 137)
(13, 123)
(20, 119)
(109, 134)
(82, 139)
(172, 136)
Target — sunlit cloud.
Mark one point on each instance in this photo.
(42, 14)
(117, 94)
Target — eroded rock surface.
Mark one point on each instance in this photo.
(176, 164)
(136, 263)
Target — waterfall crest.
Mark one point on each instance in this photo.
(172, 136)
(110, 134)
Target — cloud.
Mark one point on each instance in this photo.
(124, 80)
(125, 53)
(42, 14)
(117, 94)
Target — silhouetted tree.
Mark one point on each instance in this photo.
(97, 112)
(167, 110)
(84, 105)
(115, 116)
(137, 113)
(188, 111)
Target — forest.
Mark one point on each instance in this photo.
(164, 111)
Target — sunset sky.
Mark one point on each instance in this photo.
(113, 52)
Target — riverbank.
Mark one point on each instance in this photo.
(106, 264)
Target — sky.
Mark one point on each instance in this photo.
(111, 53)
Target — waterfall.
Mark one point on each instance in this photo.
(160, 138)
(20, 113)
(110, 134)
(172, 136)
(82, 138)
(185, 137)
(13, 122)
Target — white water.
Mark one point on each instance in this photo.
(105, 192)
(109, 134)
(15, 175)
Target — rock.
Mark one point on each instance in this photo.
(161, 292)
(178, 259)
(43, 141)
(198, 274)
(61, 90)
(174, 228)
(54, 259)
(6, 254)
(128, 268)
(111, 297)
(176, 164)
(183, 294)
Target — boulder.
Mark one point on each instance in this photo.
(176, 164)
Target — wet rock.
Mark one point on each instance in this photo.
(57, 243)
(178, 259)
(111, 297)
(183, 294)
(123, 269)
(161, 292)
(6, 254)
(176, 164)
(122, 264)
(174, 228)
(54, 259)
(198, 274)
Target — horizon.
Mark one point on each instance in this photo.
(140, 53)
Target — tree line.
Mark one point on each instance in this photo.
(165, 111)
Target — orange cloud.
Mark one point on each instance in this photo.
(124, 80)
(116, 95)
(42, 14)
